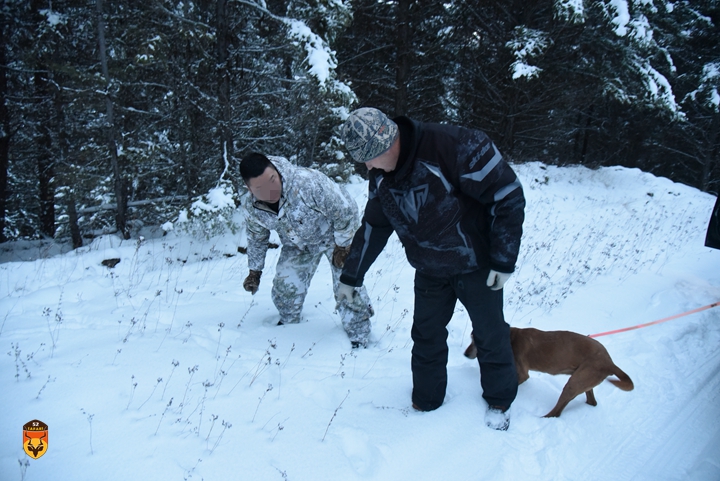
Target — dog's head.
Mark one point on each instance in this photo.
(471, 351)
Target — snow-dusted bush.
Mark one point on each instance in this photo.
(211, 214)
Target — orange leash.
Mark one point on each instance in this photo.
(709, 306)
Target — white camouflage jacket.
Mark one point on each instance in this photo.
(314, 212)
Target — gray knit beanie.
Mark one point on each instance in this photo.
(368, 133)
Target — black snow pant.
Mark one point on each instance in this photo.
(435, 300)
(713, 231)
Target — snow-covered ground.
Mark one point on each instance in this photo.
(164, 368)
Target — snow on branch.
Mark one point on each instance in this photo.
(709, 85)
(571, 10)
(320, 57)
(636, 27)
(658, 87)
(526, 44)
(621, 17)
(641, 30)
(53, 18)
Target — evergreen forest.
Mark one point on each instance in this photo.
(118, 114)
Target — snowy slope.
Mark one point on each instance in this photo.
(163, 368)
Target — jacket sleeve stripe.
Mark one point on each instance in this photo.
(436, 172)
(479, 175)
(366, 244)
(505, 191)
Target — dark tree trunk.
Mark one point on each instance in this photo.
(4, 131)
(402, 56)
(45, 162)
(66, 180)
(119, 181)
(586, 136)
(73, 219)
(223, 44)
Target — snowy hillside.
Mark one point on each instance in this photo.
(164, 368)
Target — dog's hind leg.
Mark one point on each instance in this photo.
(590, 397)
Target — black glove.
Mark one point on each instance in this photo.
(339, 256)
(252, 281)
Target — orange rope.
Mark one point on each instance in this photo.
(709, 306)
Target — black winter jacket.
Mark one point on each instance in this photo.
(455, 204)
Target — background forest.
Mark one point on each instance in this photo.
(118, 114)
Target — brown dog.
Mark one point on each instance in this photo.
(563, 352)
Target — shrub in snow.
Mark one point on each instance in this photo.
(339, 172)
(211, 214)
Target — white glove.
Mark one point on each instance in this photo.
(496, 280)
(345, 292)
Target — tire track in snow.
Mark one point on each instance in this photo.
(654, 454)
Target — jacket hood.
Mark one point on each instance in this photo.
(408, 146)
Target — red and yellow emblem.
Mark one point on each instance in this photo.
(35, 438)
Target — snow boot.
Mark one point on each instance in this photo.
(498, 418)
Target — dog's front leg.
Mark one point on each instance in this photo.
(522, 372)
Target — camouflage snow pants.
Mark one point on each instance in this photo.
(293, 273)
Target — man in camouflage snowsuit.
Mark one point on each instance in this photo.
(314, 217)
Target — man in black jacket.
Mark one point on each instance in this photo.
(458, 208)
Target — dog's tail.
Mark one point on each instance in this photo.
(624, 383)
